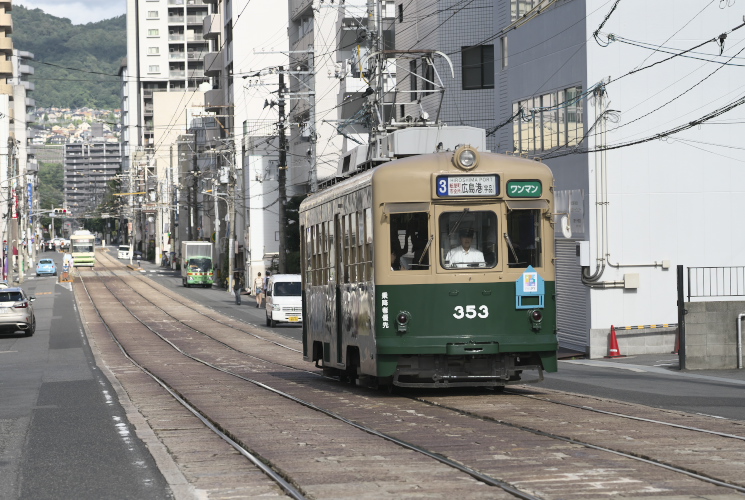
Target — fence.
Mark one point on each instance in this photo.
(716, 282)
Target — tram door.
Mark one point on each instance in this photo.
(340, 283)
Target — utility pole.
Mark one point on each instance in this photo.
(282, 177)
(193, 202)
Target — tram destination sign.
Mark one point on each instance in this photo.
(467, 185)
(524, 189)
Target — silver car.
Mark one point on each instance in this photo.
(17, 311)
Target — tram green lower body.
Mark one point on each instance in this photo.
(84, 260)
(467, 332)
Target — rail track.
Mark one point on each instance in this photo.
(470, 434)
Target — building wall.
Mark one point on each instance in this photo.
(446, 26)
(667, 200)
(711, 334)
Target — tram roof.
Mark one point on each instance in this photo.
(399, 173)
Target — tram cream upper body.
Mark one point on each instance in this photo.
(409, 184)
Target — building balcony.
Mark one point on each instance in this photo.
(30, 102)
(298, 7)
(212, 26)
(6, 23)
(195, 37)
(195, 56)
(176, 37)
(196, 73)
(30, 118)
(6, 45)
(177, 74)
(29, 86)
(6, 69)
(25, 69)
(175, 19)
(195, 20)
(176, 56)
(213, 63)
(214, 100)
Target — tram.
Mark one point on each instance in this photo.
(432, 271)
(82, 248)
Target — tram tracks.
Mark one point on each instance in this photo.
(203, 415)
(407, 421)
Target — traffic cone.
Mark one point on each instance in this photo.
(614, 351)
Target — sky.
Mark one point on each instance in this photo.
(78, 11)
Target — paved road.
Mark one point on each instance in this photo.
(655, 380)
(63, 433)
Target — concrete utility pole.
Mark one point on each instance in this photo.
(282, 177)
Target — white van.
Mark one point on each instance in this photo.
(124, 251)
(283, 299)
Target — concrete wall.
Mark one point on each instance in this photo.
(711, 334)
(633, 342)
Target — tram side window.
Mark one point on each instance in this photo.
(409, 241)
(468, 239)
(524, 238)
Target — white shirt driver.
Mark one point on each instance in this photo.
(458, 255)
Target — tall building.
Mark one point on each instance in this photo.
(165, 54)
(88, 169)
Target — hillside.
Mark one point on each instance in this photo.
(57, 44)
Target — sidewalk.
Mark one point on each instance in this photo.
(662, 364)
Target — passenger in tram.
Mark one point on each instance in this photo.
(465, 255)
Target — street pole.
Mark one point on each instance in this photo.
(282, 173)
(231, 211)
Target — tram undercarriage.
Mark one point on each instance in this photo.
(487, 370)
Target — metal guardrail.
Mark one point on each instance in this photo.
(716, 282)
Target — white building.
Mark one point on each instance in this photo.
(652, 201)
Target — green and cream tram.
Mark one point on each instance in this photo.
(431, 271)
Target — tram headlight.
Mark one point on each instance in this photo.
(466, 158)
(402, 321)
(536, 318)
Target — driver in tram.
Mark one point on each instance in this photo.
(465, 255)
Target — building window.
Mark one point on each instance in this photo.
(152, 14)
(400, 13)
(428, 74)
(153, 32)
(153, 68)
(412, 79)
(503, 45)
(153, 51)
(478, 67)
(519, 8)
(548, 121)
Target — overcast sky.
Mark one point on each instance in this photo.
(78, 11)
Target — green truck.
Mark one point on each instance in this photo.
(197, 266)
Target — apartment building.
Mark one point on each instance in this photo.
(165, 53)
(88, 169)
(580, 78)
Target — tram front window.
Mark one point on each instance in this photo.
(410, 241)
(468, 239)
(524, 238)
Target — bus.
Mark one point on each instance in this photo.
(82, 248)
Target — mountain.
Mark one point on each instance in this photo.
(75, 65)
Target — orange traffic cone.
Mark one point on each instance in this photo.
(614, 352)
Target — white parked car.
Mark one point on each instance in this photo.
(124, 251)
(284, 299)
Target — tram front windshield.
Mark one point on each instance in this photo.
(468, 239)
(82, 246)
